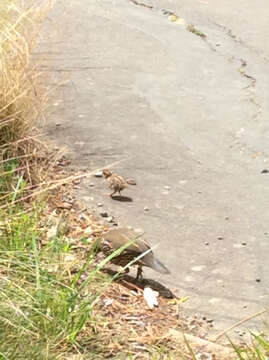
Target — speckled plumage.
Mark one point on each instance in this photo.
(116, 238)
(115, 182)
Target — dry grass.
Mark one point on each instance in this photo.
(22, 98)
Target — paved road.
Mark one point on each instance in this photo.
(177, 111)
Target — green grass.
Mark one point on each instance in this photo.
(43, 308)
(258, 349)
(191, 28)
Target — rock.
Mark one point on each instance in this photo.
(265, 171)
(88, 230)
(110, 219)
(91, 184)
(220, 238)
(98, 174)
(167, 187)
(206, 243)
(104, 214)
(258, 280)
(100, 205)
(146, 208)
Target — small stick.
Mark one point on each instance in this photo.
(239, 323)
(56, 183)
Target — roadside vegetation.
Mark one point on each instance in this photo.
(54, 301)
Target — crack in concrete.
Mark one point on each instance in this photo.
(135, 2)
(212, 47)
(238, 40)
(243, 72)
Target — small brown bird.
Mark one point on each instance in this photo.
(116, 182)
(116, 238)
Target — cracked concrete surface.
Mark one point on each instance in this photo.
(177, 111)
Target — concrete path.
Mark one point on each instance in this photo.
(187, 117)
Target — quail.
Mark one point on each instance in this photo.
(116, 238)
(116, 182)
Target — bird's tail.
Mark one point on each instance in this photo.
(158, 266)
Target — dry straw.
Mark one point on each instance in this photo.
(22, 96)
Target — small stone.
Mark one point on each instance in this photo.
(258, 280)
(110, 219)
(227, 218)
(167, 187)
(206, 243)
(139, 231)
(104, 214)
(98, 174)
(209, 321)
(57, 124)
(100, 205)
(217, 44)
(198, 268)
(146, 208)
(265, 171)
(91, 184)
(244, 243)
(220, 238)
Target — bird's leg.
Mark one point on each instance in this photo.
(139, 272)
(114, 192)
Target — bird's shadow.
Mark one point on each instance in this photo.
(128, 281)
(122, 198)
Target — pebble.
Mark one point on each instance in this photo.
(209, 321)
(220, 238)
(91, 184)
(104, 214)
(57, 124)
(167, 187)
(110, 219)
(206, 243)
(244, 243)
(258, 280)
(88, 230)
(265, 171)
(100, 205)
(146, 208)
(98, 174)
(238, 246)
(198, 268)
